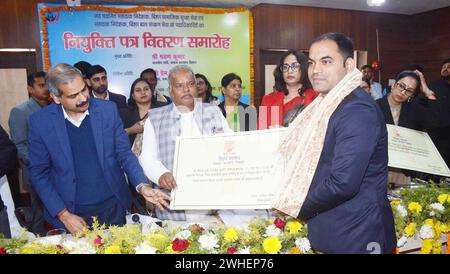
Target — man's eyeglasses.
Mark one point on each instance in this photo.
(405, 90)
(294, 67)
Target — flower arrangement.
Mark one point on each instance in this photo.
(420, 214)
(423, 214)
(269, 236)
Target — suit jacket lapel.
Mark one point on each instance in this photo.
(97, 128)
(60, 128)
(387, 111)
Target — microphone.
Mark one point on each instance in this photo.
(135, 218)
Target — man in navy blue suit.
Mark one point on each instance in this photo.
(78, 154)
(346, 208)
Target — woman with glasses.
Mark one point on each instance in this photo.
(293, 94)
(399, 107)
(135, 114)
(204, 90)
(231, 107)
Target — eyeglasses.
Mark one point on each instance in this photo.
(294, 67)
(404, 89)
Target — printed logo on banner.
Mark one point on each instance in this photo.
(52, 17)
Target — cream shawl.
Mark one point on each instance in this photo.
(302, 145)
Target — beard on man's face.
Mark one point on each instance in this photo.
(101, 89)
(446, 78)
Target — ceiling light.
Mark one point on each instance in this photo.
(375, 3)
(16, 50)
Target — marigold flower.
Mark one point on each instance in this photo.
(230, 235)
(295, 250)
(410, 230)
(272, 245)
(395, 202)
(429, 222)
(437, 247)
(415, 207)
(445, 228)
(114, 249)
(427, 246)
(293, 226)
(442, 198)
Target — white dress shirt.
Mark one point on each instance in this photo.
(152, 166)
(74, 122)
(106, 98)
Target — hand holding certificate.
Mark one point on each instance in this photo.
(414, 150)
(226, 171)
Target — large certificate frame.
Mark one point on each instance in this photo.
(414, 150)
(227, 171)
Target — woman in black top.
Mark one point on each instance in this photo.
(139, 103)
(401, 107)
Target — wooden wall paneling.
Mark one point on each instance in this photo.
(281, 26)
(20, 26)
(431, 40)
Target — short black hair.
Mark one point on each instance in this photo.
(414, 67)
(230, 77)
(367, 66)
(31, 78)
(83, 66)
(446, 61)
(366, 80)
(131, 101)
(148, 70)
(344, 43)
(409, 73)
(208, 92)
(94, 70)
(280, 84)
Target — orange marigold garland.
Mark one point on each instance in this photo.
(252, 61)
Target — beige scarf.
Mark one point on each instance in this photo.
(302, 145)
(137, 145)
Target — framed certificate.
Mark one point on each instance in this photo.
(227, 171)
(414, 150)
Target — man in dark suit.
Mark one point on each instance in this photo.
(98, 83)
(8, 160)
(18, 125)
(441, 134)
(78, 153)
(346, 208)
